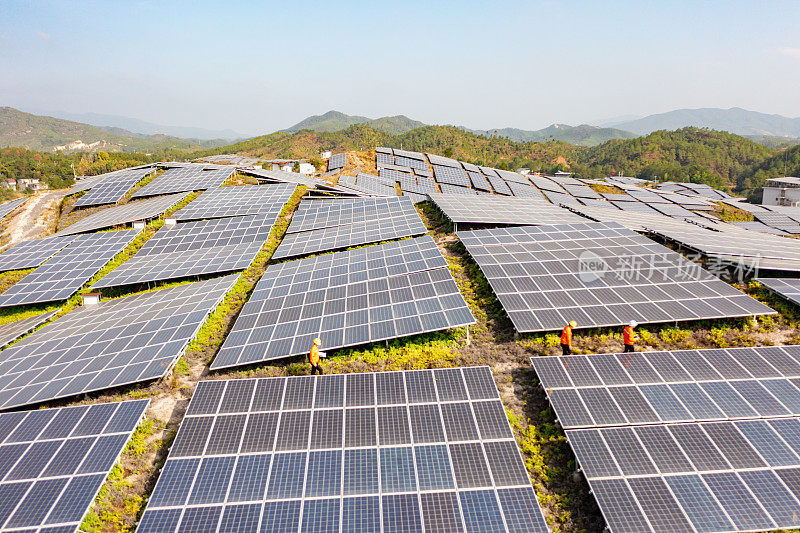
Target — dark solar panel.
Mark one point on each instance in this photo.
(63, 275)
(223, 202)
(321, 483)
(499, 210)
(113, 187)
(115, 342)
(55, 461)
(599, 275)
(337, 161)
(31, 254)
(11, 331)
(321, 225)
(346, 299)
(185, 179)
(7, 207)
(195, 248)
(124, 214)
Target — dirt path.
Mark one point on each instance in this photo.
(35, 218)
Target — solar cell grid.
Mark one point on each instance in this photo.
(322, 225)
(52, 470)
(31, 254)
(195, 248)
(383, 481)
(524, 191)
(185, 179)
(410, 163)
(443, 161)
(11, 331)
(346, 298)
(456, 190)
(113, 186)
(63, 275)
(499, 185)
(115, 342)
(337, 161)
(7, 207)
(598, 274)
(238, 201)
(124, 214)
(451, 175)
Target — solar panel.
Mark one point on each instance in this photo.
(546, 184)
(367, 183)
(720, 468)
(346, 299)
(408, 162)
(479, 181)
(113, 343)
(499, 210)
(11, 331)
(85, 184)
(337, 161)
(562, 199)
(499, 185)
(56, 460)
(451, 175)
(512, 176)
(307, 474)
(238, 201)
(193, 249)
(113, 186)
(524, 191)
(409, 155)
(7, 207)
(789, 288)
(185, 179)
(124, 214)
(582, 191)
(63, 275)
(456, 190)
(599, 275)
(31, 254)
(442, 161)
(321, 225)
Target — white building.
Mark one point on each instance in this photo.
(326, 155)
(782, 191)
(307, 168)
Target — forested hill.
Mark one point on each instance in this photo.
(688, 154)
(701, 155)
(784, 163)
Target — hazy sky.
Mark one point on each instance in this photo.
(260, 66)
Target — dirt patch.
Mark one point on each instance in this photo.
(35, 218)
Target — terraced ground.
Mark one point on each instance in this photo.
(563, 494)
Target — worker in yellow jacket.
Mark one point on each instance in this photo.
(566, 337)
(314, 355)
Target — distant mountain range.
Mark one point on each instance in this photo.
(734, 120)
(44, 133)
(134, 125)
(336, 121)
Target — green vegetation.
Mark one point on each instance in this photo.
(336, 121)
(784, 163)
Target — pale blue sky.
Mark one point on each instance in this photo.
(260, 66)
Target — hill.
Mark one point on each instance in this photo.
(43, 133)
(130, 125)
(583, 135)
(336, 121)
(783, 163)
(734, 120)
(687, 154)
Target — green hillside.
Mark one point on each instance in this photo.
(783, 163)
(583, 135)
(47, 134)
(336, 121)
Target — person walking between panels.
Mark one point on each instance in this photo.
(566, 337)
(314, 355)
(629, 337)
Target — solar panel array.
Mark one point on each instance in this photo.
(7, 207)
(85, 184)
(322, 225)
(113, 343)
(599, 275)
(456, 190)
(238, 201)
(185, 179)
(193, 249)
(369, 184)
(694, 440)
(124, 214)
(392, 451)
(346, 299)
(789, 288)
(63, 275)
(56, 460)
(113, 187)
(337, 161)
(499, 210)
(31, 254)
(11, 331)
(451, 175)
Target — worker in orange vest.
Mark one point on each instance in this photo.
(314, 355)
(629, 338)
(566, 337)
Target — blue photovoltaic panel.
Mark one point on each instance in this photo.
(54, 462)
(346, 298)
(185, 179)
(124, 214)
(63, 275)
(337, 161)
(11, 331)
(31, 254)
(195, 248)
(113, 187)
(113, 343)
(337, 455)
(238, 201)
(8, 207)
